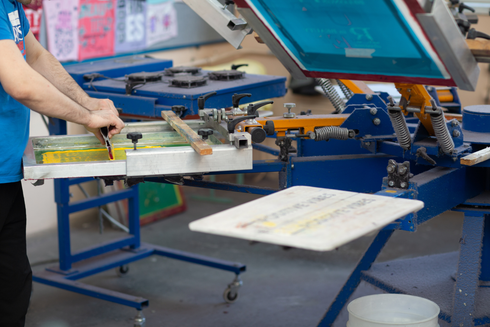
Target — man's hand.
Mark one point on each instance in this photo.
(104, 117)
(98, 104)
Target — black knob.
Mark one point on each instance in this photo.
(269, 127)
(205, 133)
(235, 99)
(134, 137)
(463, 25)
(258, 135)
(235, 67)
(178, 109)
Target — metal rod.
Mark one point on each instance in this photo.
(114, 221)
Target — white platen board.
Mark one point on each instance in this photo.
(309, 218)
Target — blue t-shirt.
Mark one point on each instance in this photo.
(14, 117)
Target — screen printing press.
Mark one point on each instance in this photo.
(372, 165)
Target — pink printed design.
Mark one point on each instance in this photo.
(96, 28)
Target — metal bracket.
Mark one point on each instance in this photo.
(231, 28)
(284, 144)
(398, 174)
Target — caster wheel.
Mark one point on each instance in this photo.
(123, 270)
(230, 296)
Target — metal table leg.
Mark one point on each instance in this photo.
(468, 275)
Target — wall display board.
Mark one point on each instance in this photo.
(161, 22)
(96, 28)
(77, 30)
(62, 30)
(130, 26)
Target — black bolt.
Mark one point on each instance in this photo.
(134, 137)
(205, 133)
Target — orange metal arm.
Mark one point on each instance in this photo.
(417, 96)
(303, 123)
(357, 86)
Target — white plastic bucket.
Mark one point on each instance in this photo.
(395, 310)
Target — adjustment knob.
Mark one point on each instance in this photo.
(178, 109)
(289, 114)
(134, 137)
(205, 133)
(269, 127)
(258, 135)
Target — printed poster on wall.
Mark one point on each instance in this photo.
(96, 28)
(161, 22)
(62, 28)
(130, 26)
(34, 12)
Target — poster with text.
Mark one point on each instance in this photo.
(96, 28)
(62, 28)
(161, 22)
(130, 26)
(34, 12)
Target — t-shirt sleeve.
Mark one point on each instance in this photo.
(24, 21)
(5, 26)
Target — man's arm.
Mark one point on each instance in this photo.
(48, 66)
(28, 87)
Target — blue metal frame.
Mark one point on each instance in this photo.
(116, 253)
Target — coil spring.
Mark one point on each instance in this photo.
(331, 132)
(401, 129)
(332, 95)
(347, 92)
(442, 134)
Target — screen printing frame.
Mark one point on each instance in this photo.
(436, 30)
(145, 162)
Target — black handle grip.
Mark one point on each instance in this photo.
(473, 34)
(235, 99)
(201, 101)
(235, 67)
(463, 6)
(252, 108)
(234, 122)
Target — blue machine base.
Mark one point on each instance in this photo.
(68, 280)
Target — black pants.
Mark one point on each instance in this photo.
(15, 271)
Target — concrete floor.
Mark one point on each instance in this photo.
(281, 287)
